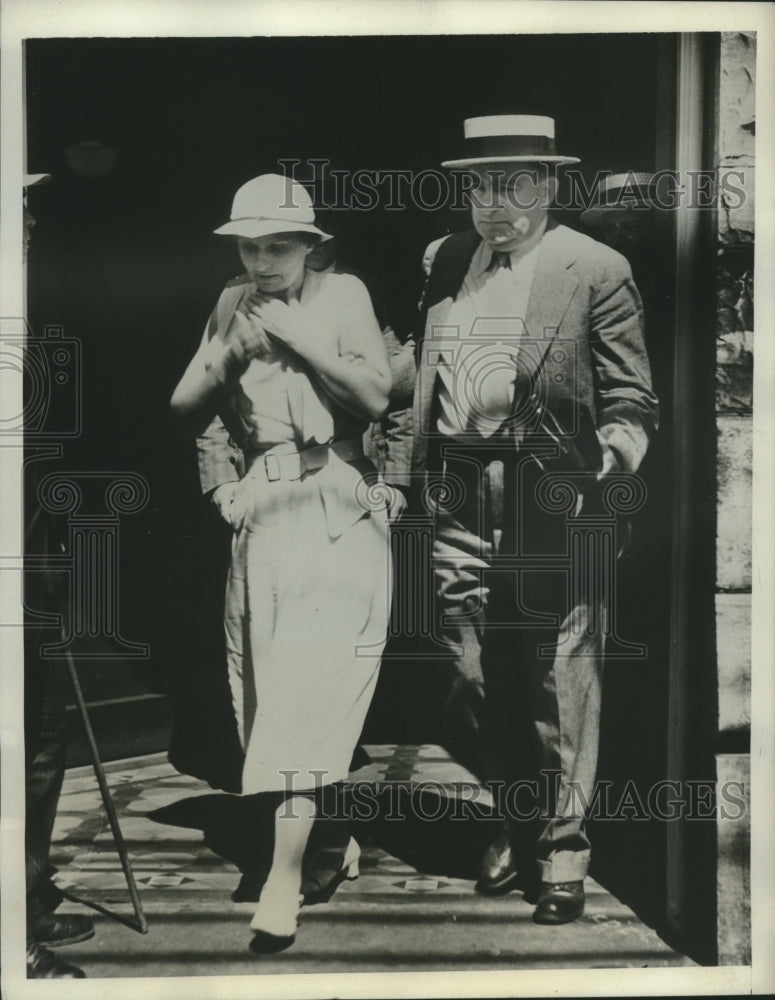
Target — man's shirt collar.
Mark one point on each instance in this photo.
(483, 257)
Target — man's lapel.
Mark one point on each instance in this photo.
(553, 288)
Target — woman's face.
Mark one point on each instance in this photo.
(276, 262)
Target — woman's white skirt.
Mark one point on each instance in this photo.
(307, 610)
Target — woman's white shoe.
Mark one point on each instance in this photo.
(274, 921)
(351, 863)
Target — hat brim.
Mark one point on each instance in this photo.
(30, 180)
(476, 160)
(252, 229)
(599, 213)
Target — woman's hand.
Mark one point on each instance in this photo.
(223, 498)
(249, 338)
(355, 371)
(283, 320)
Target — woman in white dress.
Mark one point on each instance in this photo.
(292, 368)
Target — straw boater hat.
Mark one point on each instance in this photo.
(619, 193)
(271, 204)
(509, 139)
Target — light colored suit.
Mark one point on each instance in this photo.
(582, 294)
(581, 371)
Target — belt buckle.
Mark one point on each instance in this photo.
(272, 468)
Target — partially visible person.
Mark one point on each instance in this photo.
(428, 258)
(386, 440)
(291, 369)
(622, 215)
(44, 732)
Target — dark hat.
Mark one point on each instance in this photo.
(509, 139)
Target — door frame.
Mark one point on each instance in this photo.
(688, 72)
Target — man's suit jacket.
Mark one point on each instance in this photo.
(582, 357)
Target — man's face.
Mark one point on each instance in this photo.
(276, 262)
(509, 201)
(626, 230)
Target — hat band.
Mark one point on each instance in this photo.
(510, 145)
(308, 220)
(630, 195)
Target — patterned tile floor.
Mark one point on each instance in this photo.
(394, 917)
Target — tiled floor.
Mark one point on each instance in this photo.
(394, 917)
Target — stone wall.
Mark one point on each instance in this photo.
(734, 415)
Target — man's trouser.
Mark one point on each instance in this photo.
(46, 749)
(524, 636)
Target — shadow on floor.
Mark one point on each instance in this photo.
(434, 833)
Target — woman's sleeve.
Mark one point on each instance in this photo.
(220, 460)
(200, 391)
(359, 333)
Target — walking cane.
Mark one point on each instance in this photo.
(107, 800)
(141, 924)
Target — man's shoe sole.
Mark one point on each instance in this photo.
(554, 919)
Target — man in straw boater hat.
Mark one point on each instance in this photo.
(623, 216)
(533, 386)
(622, 213)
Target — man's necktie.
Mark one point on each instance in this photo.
(499, 259)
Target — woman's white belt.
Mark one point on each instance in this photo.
(289, 465)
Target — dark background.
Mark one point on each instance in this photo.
(126, 262)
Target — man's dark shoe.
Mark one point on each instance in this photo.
(44, 964)
(559, 902)
(50, 895)
(498, 873)
(53, 931)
